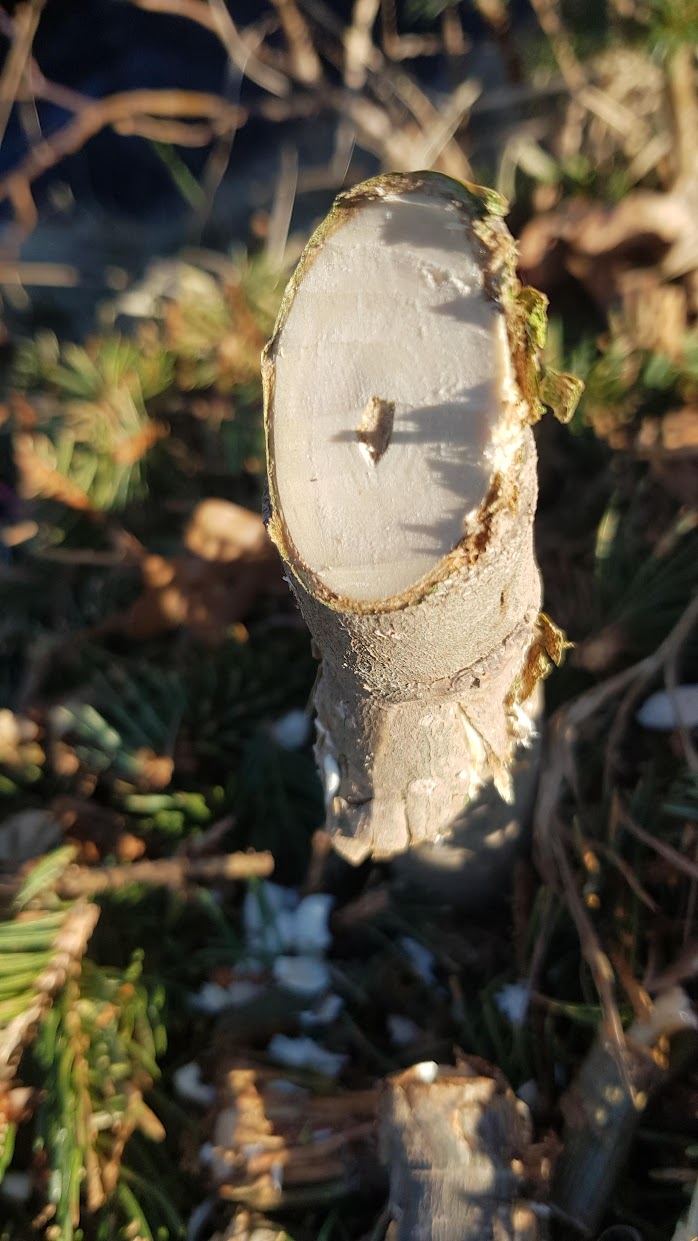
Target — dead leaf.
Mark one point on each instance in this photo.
(219, 530)
(231, 564)
(638, 233)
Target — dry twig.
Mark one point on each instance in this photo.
(174, 872)
(404, 46)
(550, 22)
(558, 771)
(559, 774)
(117, 110)
(358, 42)
(48, 275)
(602, 1109)
(388, 90)
(595, 957)
(668, 852)
(282, 208)
(304, 60)
(216, 18)
(24, 27)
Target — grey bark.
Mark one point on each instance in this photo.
(425, 695)
(455, 1142)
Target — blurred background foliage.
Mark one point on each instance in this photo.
(161, 167)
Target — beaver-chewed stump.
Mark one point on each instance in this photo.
(400, 387)
(457, 1145)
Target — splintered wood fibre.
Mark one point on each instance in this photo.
(388, 385)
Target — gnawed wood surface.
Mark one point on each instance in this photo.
(400, 386)
(457, 1143)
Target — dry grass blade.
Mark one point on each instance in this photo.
(305, 62)
(384, 90)
(282, 208)
(455, 41)
(175, 133)
(404, 46)
(595, 957)
(682, 87)
(358, 43)
(550, 22)
(27, 19)
(671, 680)
(558, 771)
(96, 115)
(668, 852)
(217, 19)
(449, 122)
(559, 774)
(242, 55)
(628, 874)
(646, 671)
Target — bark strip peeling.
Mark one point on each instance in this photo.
(401, 383)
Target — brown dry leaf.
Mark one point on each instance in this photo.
(230, 564)
(547, 648)
(572, 240)
(219, 530)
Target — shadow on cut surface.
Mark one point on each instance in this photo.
(457, 466)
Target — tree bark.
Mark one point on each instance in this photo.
(455, 1142)
(400, 387)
